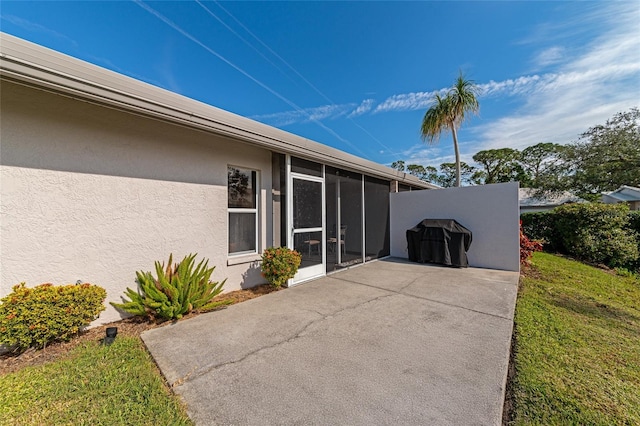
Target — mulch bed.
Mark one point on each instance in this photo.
(130, 327)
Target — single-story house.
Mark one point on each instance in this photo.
(624, 194)
(101, 169)
(101, 175)
(530, 201)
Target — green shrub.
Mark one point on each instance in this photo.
(177, 290)
(633, 226)
(34, 317)
(280, 264)
(633, 221)
(540, 226)
(597, 233)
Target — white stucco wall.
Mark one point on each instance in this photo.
(490, 212)
(92, 194)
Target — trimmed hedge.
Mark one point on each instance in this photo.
(594, 232)
(34, 317)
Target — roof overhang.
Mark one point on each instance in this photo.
(32, 65)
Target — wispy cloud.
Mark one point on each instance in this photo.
(364, 107)
(305, 115)
(549, 56)
(603, 78)
(583, 86)
(407, 101)
(601, 81)
(37, 28)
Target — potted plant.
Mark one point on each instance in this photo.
(279, 264)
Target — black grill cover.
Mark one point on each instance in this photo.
(442, 241)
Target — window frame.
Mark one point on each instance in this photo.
(244, 210)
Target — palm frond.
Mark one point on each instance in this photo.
(436, 120)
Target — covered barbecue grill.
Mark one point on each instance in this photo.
(442, 241)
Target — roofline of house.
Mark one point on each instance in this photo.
(32, 65)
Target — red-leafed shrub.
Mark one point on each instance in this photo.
(527, 247)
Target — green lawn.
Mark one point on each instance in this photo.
(95, 385)
(577, 352)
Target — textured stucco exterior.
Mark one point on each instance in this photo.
(101, 175)
(490, 212)
(93, 194)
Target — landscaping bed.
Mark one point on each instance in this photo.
(131, 327)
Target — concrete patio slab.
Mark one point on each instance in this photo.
(388, 342)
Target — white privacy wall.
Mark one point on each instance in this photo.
(92, 194)
(490, 212)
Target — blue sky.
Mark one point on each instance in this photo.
(359, 76)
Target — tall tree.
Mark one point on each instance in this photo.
(447, 176)
(417, 170)
(538, 159)
(449, 112)
(398, 165)
(501, 165)
(607, 156)
(546, 166)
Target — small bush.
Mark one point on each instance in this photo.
(177, 290)
(527, 247)
(280, 264)
(34, 317)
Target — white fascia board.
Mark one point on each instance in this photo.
(27, 63)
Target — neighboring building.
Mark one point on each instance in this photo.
(530, 202)
(101, 175)
(624, 194)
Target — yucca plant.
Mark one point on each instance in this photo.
(178, 289)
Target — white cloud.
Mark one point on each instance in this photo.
(511, 87)
(586, 86)
(364, 107)
(407, 101)
(587, 90)
(305, 115)
(549, 56)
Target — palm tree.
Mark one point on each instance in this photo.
(449, 112)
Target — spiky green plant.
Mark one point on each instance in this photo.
(177, 290)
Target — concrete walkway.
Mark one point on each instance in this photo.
(387, 343)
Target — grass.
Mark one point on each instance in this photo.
(577, 351)
(93, 385)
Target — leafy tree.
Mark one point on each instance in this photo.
(427, 174)
(449, 112)
(432, 175)
(606, 156)
(417, 170)
(501, 165)
(398, 165)
(543, 163)
(447, 176)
